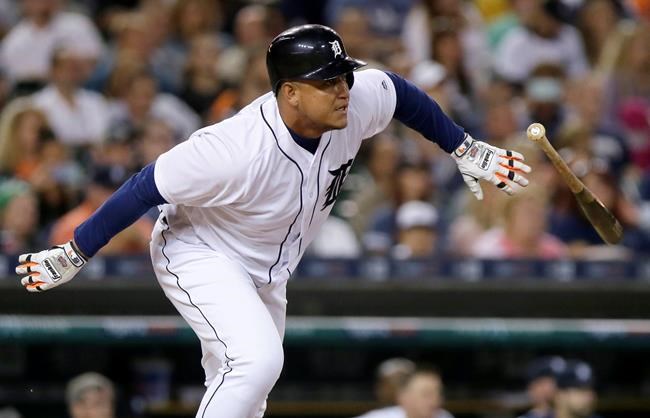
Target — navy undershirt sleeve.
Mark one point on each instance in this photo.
(136, 196)
(418, 111)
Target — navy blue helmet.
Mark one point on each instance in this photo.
(309, 52)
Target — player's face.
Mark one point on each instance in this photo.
(324, 104)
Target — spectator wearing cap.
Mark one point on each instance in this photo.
(90, 395)
(431, 77)
(104, 181)
(576, 397)
(25, 52)
(542, 37)
(541, 375)
(417, 232)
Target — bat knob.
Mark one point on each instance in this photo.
(536, 131)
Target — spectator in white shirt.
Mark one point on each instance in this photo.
(26, 50)
(77, 116)
(142, 100)
(541, 38)
(420, 396)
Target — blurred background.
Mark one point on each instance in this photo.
(415, 294)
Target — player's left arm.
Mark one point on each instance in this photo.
(476, 160)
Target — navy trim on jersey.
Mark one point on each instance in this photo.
(320, 163)
(178, 283)
(420, 112)
(132, 200)
(302, 178)
(309, 144)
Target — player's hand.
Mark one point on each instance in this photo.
(478, 160)
(50, 268)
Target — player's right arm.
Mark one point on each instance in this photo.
(201, 171)
(59, 264)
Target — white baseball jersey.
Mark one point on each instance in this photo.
(245, 189)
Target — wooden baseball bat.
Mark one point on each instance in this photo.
(603, 221)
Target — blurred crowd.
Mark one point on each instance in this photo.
(92, 91)
(556, 388)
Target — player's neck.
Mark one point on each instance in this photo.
(299, 125)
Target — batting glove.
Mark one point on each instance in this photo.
(50, 268)
(478, 160)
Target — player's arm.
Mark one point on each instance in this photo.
(59, 264)
(476, 160)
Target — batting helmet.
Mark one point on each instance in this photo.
(309, 52)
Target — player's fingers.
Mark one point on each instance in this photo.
(26, 267)
(503, 182)
(515, 165)
(512, 175)
(474, 186)
(511, 155)
(36, 287)
(29, 280)
(26, 258)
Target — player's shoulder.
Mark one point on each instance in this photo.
(243, 132)
(370, 78)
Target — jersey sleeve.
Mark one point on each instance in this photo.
(206, 170)
(372, 101)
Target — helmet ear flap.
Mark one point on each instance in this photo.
(349, 78)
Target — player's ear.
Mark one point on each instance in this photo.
(290, 91)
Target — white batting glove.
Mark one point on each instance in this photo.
(478, 160)
(50, 268)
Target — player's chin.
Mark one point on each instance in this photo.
(339, 120)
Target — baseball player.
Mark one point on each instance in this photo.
(241, 200)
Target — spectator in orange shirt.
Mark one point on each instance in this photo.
(104, 181)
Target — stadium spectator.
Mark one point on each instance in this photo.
(336, 239)
(412, 182)
(254, 27)
(389, 377)
(18, 216)
(353, 23)
(77, 116)
(20, 124)
(254, 81)
(201, 81)
(44, 28)
(524, 234)
(576, 397)
(431, 77)
(542, 37)
(90, 395)
(429, 17)
(104, 181)
(541, 375)
(567, 222)
(417, 230)
(420, 396)
(142, 100)
(600, 23)
(544, 98)
(376, 180)
(155, 138)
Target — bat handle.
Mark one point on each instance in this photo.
(537, 134)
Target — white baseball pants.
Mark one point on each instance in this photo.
(240, 326)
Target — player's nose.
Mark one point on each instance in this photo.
(342, 88)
